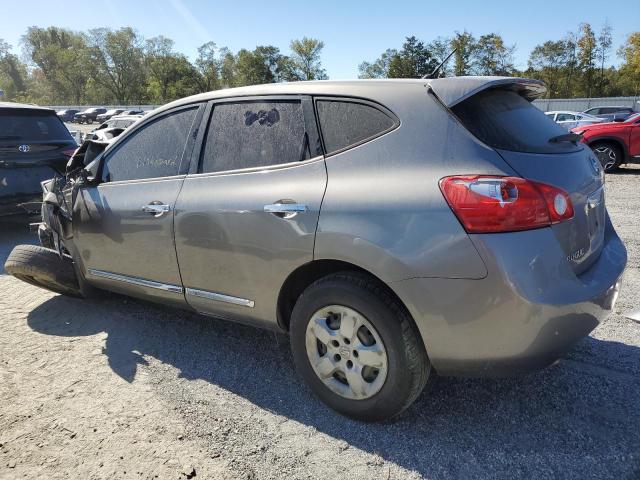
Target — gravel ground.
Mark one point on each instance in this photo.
(119, 388)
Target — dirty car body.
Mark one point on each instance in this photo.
(446, 197)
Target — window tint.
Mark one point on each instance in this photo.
(255, 134)
(503, 119)
(31, 125)
(153, 151)
(345, 123)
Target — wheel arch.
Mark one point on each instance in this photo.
(308, 273)
(608, 139)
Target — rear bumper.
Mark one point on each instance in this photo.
(529, 310)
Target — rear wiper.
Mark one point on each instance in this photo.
(9, 137)
(567, 137)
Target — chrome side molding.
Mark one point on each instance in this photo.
(219, 297)
(166, 287)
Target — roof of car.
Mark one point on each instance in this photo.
(24, 106)
(450, 90)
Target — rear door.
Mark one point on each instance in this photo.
(521, 133)
(247, 215)
(123, 227)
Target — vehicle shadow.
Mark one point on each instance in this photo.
(577, 419)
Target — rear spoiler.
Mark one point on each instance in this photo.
(454, 90)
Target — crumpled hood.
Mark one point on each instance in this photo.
(453, 90)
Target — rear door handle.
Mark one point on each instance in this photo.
(156, 208)
(285, 210)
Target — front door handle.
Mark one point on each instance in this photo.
(156, 208)
(285, 210)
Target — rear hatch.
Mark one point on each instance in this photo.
(501, 115)
(34, 146)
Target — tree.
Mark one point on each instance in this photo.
(464, 43)
(492, 56)
(304, 62)
(170, 75)
(13, 74)
(380, 67)
(61, 56)
(630, 69)
(208, 65)
(413, 61)
(440, 48)
(548, 61)
(605, 41)
(587, 57)
(117, 63)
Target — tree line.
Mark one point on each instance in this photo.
(106, 66)
(572, 66)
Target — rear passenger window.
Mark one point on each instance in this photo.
(255, 134)
(153, 151)
(346, 123)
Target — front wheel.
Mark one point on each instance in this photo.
(357, 348)
(609, 155)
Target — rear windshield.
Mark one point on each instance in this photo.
(503, 119)
(31, 125)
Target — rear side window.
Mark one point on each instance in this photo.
(346, 124)
(29, 125)
(503, 119)
(255, 134)
(153, 151)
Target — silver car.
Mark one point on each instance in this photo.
(391, 227)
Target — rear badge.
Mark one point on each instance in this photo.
(24, 148)
(577, 255)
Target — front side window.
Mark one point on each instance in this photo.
(153, 151)
(255, 134)
(347, 123)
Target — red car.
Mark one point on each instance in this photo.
(613, 143)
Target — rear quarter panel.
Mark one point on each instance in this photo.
(383, 209)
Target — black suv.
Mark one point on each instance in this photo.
(34, 146)
(89, 115)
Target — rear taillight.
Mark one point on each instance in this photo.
(69, 152)
(488, 204)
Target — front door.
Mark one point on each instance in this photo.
(123, 227)
(248, 217)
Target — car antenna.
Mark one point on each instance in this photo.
(437, 69)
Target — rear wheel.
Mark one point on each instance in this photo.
(43, 268)
(609, 155)
(357, 348)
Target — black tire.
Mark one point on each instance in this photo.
(408, 364)
(43, 268)
(89, 121)
(609, 154)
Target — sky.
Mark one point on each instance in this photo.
(352, 31)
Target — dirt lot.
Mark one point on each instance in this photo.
(122, 389)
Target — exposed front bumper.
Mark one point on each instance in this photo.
(528, 311)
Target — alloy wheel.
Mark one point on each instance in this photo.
(607, 156)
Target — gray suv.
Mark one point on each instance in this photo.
(390, 227)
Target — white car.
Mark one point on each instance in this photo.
(571, 120)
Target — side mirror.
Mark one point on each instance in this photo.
(92, 173)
